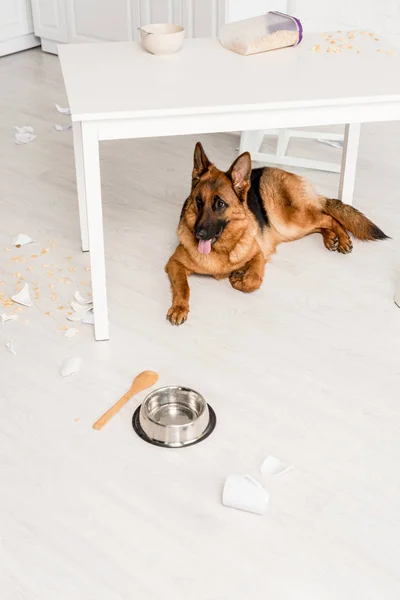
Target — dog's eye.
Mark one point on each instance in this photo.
(220, 204)
(199, 202)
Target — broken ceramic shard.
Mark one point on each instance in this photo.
(24, 134)
(71, 366)
(4, 318)
(76, 317)
(23, 297)
(80, 307)
(64, 111)
(10, 347)
(334, 143)
(65, 127)
(71, 333)
(22, 240)
(274, 466)
(245, 493)
(88, 319)
(79, 298)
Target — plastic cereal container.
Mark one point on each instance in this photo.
(259, 34)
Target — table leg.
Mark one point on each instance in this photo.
(90, 148)
(80, 184)
(349, 162)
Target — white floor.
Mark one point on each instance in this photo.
(306, 369)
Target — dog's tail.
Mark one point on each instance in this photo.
(353, 220)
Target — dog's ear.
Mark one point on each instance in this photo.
(239, 173)
(200, 162)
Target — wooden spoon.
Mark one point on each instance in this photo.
(141, 382)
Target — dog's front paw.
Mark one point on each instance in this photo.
(247, 282)
(177, 314)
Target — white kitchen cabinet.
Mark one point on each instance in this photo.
(16, 26)
(73, 21)
(50, 21)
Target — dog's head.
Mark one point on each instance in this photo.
(216, 208)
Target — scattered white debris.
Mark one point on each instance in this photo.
(10, 347)
(77, 317)
(81, 307)
(4, 318)
(333, 143)
(71, 333)
(64, 111)
(88, 319)
(79, 298)
(22, 240)
(245, 493)
(24, 134)
(71, 366)
(274, 466)
(65, 127)
(23, 297)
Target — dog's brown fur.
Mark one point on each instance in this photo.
(290, 205)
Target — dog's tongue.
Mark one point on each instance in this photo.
(204, 246)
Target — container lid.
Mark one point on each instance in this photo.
(299, 26)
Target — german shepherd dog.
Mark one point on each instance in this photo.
(232, 222)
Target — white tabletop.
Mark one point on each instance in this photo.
(121, 80)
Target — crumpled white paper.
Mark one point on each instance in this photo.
(22, 240)
(71, 333)
(10, 347)
(71, 366)
(245, 493)
(64, 111)
(274, 466)
(4, 318)
(65, 127)
(24, 134)
(23, 297)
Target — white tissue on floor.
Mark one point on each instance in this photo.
(4, 318)
(23, 297)
(71, 333)
(71, 366)
(274, 466)
(24, 134)
(245, 493)
(64, 111)
(62, 127)
(10, 347)
(22, 240)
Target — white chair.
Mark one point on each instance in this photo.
(251, 141)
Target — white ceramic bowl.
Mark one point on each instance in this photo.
(162, 38)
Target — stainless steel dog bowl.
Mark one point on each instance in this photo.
(173, 417)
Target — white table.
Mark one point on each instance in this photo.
(118, 91)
